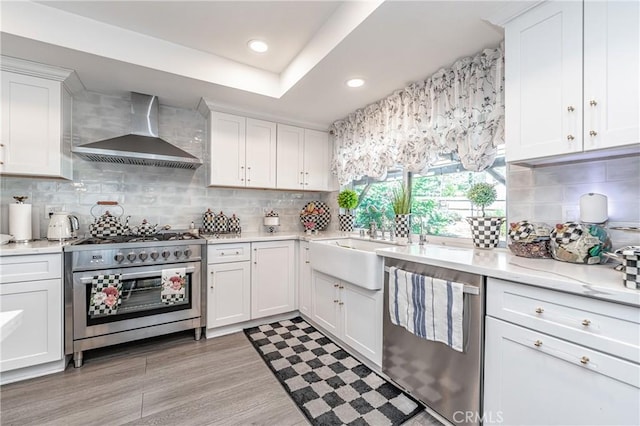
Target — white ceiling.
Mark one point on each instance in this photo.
(184, 51)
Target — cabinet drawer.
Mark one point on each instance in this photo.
(30, 267)
(534, 379)
(605, 326)
(223, 253)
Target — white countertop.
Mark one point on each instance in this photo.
(598, 281)
(247, 237)
(33, 247)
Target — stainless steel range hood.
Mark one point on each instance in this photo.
(142, 146)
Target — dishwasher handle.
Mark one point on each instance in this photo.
(468, 289)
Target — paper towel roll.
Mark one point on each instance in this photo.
(593, 208)
(20, 221)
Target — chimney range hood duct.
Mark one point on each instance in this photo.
(142, 146)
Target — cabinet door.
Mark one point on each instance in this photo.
(362, 320)
(272, 278)
(37, 339)
(227, 149)
(543, 82)
(316, 160)
(31, 126)
(290, 164)
(261, 154)
(325, 301)
(611, 58)
(533, 379)
(229, 295)
(304, 279)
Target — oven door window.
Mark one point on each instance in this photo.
(138, 298)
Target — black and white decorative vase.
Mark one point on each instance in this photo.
(403, 225)
(345, 222)
(485, 231)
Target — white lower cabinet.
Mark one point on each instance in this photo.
(536, 372)
(272, 278)
(351, 313)
(229, 296)
(35, 338)
(247, 281)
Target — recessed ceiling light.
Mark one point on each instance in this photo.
(355, 82)
(258, 46)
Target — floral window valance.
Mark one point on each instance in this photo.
(459, 110)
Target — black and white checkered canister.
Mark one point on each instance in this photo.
(630, 263)
(403, 225)
(485, 231)
(345, 222)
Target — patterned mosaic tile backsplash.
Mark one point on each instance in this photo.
(162, 195)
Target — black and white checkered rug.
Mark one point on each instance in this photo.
(329, 385)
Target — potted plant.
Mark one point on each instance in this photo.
(401, 204)
(484, 230)
(347, 200)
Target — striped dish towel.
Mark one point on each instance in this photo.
(430, 308)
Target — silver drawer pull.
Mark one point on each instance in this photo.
(586, 322)
(537, 343)
(335, 301)
(584, 360)
(539, 310)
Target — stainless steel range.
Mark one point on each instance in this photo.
(127, 288)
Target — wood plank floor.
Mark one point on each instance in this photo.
(170, 380)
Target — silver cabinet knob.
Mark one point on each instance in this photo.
(586, 322)
(539, 310)
(593, 103)
(570, 108)
(570, 137)
(593, 133)
(584, 360)
(537, 343)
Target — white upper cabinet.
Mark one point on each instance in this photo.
(611, 70)
(304, 157)
(547, 51)
(36, 120)
(543, 84)
(242, 151)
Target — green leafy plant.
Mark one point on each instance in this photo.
(482, 195)
(401, 200)
(348, 200)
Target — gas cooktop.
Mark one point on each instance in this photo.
(123, 239)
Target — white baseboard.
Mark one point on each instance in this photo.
(234, 328)
(26, 373)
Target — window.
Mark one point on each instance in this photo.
(439, 202)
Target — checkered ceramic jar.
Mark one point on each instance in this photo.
(345, 222)
(630, 262)
(403, 225)
(485, 231)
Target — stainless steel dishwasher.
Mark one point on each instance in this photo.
(447, 381)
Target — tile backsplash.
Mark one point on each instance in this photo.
(162, 195)
(551, 193)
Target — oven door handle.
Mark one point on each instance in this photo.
(136, 275)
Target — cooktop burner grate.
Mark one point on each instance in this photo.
(165, 236)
